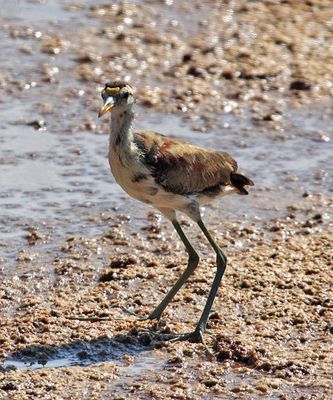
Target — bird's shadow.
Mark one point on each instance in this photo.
(79, 352)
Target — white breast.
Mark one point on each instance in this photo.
(125, 167)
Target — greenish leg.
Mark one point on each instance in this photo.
(193, 261)
(221, 263)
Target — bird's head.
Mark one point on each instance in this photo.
(117, 96)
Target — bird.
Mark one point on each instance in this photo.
(174, 177)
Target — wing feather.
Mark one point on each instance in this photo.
(181, 167)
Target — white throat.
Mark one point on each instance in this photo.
(121, 128)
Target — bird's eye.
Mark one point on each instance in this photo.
(125, 95)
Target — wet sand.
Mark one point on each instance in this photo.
(251, 78)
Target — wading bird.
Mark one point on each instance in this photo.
(171, 175)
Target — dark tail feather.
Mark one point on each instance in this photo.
(239, 181)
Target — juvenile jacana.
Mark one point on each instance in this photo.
(171, 175)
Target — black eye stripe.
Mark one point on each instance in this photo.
(114, 84)
(123, 95)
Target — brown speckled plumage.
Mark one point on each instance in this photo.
(184, 168)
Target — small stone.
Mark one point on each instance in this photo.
(210, 383)
(224, 355)
(175, 361)
(123, 262)
(194, 71)
(321, 137)
(245, 285)
(8, 386)
(39, 125)
(214, 316)
(82, 355)
(300, 85)
(262, 388)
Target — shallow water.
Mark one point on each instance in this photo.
(144, 359)
(25, 366)
(54, 178)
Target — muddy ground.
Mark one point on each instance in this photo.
(251, 78)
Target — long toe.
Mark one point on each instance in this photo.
(137, 316)
(193, 337)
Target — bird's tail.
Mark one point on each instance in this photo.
(239, 181)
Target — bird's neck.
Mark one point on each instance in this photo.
(121, 129)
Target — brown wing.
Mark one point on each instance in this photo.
(182, 167)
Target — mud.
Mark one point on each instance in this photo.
(251, 78)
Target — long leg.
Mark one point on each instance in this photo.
(221, 263)
(193, 260)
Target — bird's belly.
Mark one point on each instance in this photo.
(139, 184)
(207, 197)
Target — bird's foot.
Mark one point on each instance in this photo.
(95, 319)
(126, 310)
(194, 337)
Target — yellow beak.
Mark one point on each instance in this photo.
(109, 103)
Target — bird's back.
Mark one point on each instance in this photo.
(184, 168)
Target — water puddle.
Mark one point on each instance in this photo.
(43, 11)
(11, 364)
(19, 11)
